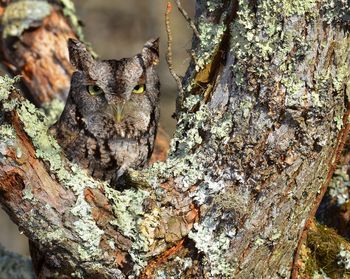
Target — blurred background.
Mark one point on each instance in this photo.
(117, 29)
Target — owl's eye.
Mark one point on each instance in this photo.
(138, 89)
(94, 90)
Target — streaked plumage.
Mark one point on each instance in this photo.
(108, 123)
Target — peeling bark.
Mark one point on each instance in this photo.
(261, 124)
(34, 45)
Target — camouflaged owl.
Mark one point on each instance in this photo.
(109, 122)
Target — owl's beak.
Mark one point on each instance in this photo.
(118, 113)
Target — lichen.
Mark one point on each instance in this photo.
(190, 165)
(7, 132)
(6, 85)
(53, 111)
(261, 41)
(341, 77)
(206, 189)
(339, 122)
(214, 5)
(214, 246)
(129, 218)
(27, 193)
(344, 258)
(22, 15)
(7, 139)
(184, 161)
(339, 186)
(259, 241)
(70, 12)
(319, 274)
(336, 11)
(298, 7)
(210, 36)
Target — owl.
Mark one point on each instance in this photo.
(110, 119)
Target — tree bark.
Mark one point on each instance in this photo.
(34, 45)
(261, 123)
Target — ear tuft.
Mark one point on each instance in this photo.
(79, 56)
(150, 52)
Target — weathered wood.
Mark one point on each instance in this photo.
(34, 45)
(260, 126)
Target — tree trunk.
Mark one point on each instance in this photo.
(261, 123)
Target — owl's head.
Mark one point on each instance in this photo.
(124, 91)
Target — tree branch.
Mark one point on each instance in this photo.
(62, 209)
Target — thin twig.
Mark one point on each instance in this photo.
(188, 19)
(169, 54)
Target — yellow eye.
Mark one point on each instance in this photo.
(138, 89)
(94, 90)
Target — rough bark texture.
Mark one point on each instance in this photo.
(260, 126)
(34, 45)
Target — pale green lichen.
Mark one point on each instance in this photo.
(320, 274)
(189, 165)
(160, 274)
(343, 258)
(128, 211)
(336, 11)
(53, 110)
(210, 36)
(126, 207)
(7, 139)
(275, 235)
(338, 121)
(259, 241)
(207, 188)
(184, 161)
(213, 246)
(341, 78)
(22, 15)
(27, 193)
(6, 85)
(93, 238)
(298, 7)
(214, 5)
(7, 133)
(340, 185)
(265, 38)
(70, 12)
